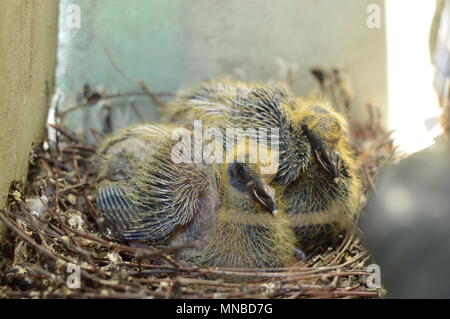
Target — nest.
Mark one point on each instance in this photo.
(55, 229)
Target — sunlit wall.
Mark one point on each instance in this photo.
(412, 99)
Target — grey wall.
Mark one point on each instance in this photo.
(174, 43)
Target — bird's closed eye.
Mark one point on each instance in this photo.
(240, 173)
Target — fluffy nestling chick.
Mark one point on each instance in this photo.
(317, 182)
(229, 209)
(328, 193)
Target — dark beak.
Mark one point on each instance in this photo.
(328, 158)
(330, 161)
(264, 195)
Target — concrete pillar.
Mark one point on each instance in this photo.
(28, 38)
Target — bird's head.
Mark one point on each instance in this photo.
(250, 230)
(324, 129)
(247, 178)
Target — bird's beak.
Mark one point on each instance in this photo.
(328, 158)
(330, 161)
(264, 195)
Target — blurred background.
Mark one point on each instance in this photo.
(173, 44)
(383, 47)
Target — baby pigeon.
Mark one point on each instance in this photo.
(149, 190)
(317, 182)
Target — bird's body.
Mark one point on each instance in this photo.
(317, 182)
(163, 200)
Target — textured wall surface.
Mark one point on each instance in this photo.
(28, 37)
(175, 43)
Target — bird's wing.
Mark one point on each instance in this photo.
(117, 209)
(161, 191)
(168, 191)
